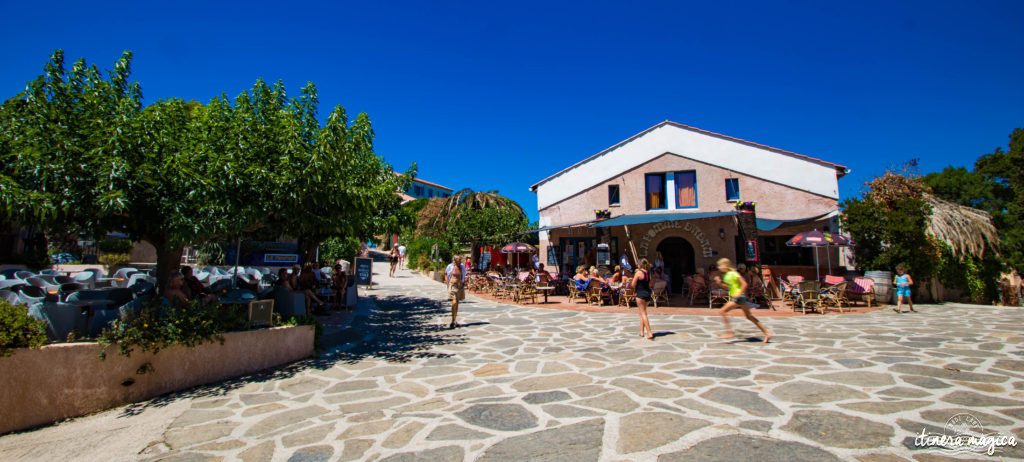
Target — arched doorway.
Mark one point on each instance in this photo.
(678, 255)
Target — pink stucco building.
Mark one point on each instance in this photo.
(675, 188)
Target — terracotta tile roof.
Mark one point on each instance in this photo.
(429, 183)
(840, 169)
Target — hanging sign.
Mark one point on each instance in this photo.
(750, 248)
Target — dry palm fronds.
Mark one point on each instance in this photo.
(892, 187)
(963, 228)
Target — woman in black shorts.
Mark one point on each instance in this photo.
(393, 258)
(641, 284)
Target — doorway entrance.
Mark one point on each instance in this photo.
(678, 255)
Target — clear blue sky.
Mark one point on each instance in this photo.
(500, 95)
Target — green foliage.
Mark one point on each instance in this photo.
(114, 245)
(888, 234)
(35, 259)
(158, 326)
(995, 185)
(469, 217)
(337, 248)
(115, 260)
(978, 278)
(80, 152)
(210, 253)
(418, 253)
(18, 329)
(308, 320)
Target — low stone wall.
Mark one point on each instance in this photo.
(68, 380)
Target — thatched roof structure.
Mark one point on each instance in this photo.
(964, 229)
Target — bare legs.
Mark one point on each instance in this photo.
(731, 305)
(645, 325)
(455, 311)
(899, 303)
(394, 264)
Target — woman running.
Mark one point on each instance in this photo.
(738, 295)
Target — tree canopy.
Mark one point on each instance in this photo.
(80, 152)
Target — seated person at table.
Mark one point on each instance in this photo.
(543, 276)
(192, 284)
(594, 276)
(580, 279)
(339, 281)
(176, 290)
(616, 277)
(307, 284)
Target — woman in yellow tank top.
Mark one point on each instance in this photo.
(737, 293)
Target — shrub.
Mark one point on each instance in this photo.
(210, 254)
(158, 325)
(18, 329)
(114, 260)
(335, 249)
(115, 245)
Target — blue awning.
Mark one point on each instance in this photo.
(641, 218)
(765, 224)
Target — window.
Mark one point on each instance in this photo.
(613, 194)
(732, 189)
(655, 189)
(430, 193)
(419, 191)
(686, 189)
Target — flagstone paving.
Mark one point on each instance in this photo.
(517, 383)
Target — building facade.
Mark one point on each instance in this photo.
(422, 189)
(674, 189)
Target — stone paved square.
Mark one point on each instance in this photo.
(524, 383)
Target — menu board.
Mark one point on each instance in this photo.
(364, 271)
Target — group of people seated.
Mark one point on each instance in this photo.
(711, 278)
(184, 285)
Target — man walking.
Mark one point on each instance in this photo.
(401, 255)
(455, 277)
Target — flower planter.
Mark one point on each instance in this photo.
(70, 380)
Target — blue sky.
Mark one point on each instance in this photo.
(499, 96)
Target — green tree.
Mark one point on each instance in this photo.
(470, 217)
(891, 233)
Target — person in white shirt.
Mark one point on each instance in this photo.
(455, 277)
(401, 255)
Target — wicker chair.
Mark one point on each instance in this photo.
(659, 293)
(528, 290)
(594, 294)
(718, 295)
(698, 290)
(575, 293)
(834, 296)
(862, 288)
(809, 296)
(627, 295)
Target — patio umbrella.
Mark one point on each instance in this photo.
(815, 238)
(518, 248)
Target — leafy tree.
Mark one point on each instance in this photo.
(80, 153)
(890, 233)
(473, 218)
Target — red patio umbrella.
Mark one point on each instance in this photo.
(518, 248)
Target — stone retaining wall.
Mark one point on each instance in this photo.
(68, 380)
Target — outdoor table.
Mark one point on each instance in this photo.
(546, 290)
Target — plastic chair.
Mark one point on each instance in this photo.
(67, 289)
(101, 319)
(220, 286)
(11, 284)
(119, 295)
(61, 319)
(142, 288)
(32, 294)
(10, 297)
(10, 273)
(50, 289)
(24, 275)
(51, 272)
(63, 279)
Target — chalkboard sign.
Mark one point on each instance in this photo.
(553, 256)
(364, 271)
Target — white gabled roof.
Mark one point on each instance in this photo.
(741, 156)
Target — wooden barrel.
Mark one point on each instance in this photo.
(883, 284)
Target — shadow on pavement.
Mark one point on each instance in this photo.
(400, 329)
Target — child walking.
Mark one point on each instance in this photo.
(903, 282)
(738, 295)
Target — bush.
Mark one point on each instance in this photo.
(158, 325)
(114, 260)
(18, 329)
(337, 248)
(418, 253)
(116, 245)
(210, 254)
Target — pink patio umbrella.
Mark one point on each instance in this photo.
(815, 238)
(518, 248)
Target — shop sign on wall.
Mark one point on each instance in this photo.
(688, 226)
